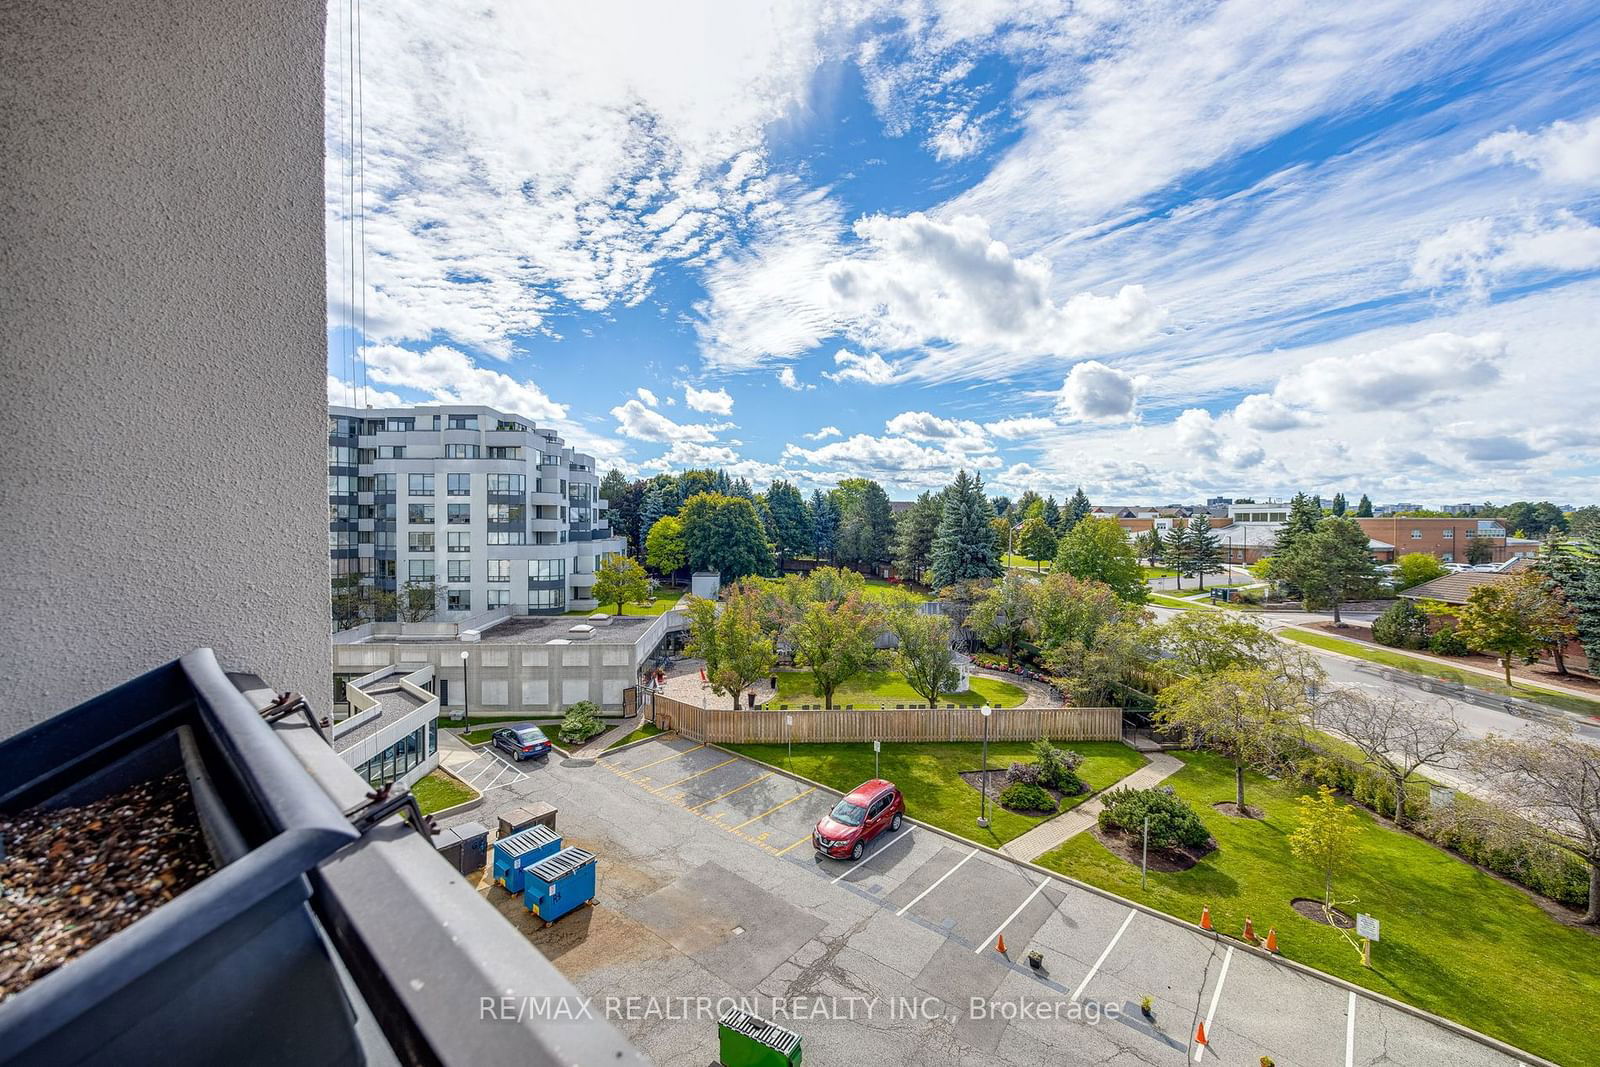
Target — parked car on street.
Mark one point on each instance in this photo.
(522, 740)
(867, 811)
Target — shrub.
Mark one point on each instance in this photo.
(1026, 773)
(1172, 822)
(1446, 642)
(1402, 625)
(1020, 796)
(580, 723)
(1248, 596)
(1057, 767)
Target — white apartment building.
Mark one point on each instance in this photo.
(497, 512)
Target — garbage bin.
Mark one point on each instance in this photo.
(555, 886)
(745, 1040)
(514, 854)
(518, 819)
(465, 847)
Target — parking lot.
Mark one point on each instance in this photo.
(709, 889)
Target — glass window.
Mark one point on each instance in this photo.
(419, 570)
(419, 514)
(546, 599)
(499, 570)
(507, 537)
(341, 485)
(461, 484)
(460, 514)
(420, 542)
(1450, 534)
(419, 484)
(383, 483)
(461, 570)
(507, 424)
(391, 451)
(459, 541)
(460, 451)
(546, 570)
(506, 483)
(463, 422)
(399, 425)
(499, 598)
(459, 600)
(504, 452)
(506, 513)
(1416, 535)
(384, 539)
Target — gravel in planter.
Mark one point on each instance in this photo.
(73, 876)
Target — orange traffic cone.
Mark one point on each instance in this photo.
(1000, 944)
(1249, 931)
(1205, 918)
(1200, 1034)
(1272, 939)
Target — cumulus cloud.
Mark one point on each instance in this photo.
(641, 423)
(894, 458)
(823, 434)
(648, 397)
(451, 377)
(1261, 411)
(1196, 431)
(869, 369)
(962, 434)
(1563, 151)
(710, 401)
(1095, 391)
(787, 379)
(1403, 375)
(343, 394)
(1023, 426)
(1476, 253)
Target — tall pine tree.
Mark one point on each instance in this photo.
(1175, 550)
(1339, 504)
(1052, 512)
(1205, 553)
(964, 548)
(1076, 511)
(824, 524)
(1364, 508)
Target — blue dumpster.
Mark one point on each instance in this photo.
(515, 854)
(559, 884)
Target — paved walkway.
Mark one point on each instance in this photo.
(596, 746)
(1052, 834)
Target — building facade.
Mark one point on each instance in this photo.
(1450, 540)
(491, 510)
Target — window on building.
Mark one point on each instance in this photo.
(1450, 533)
(507, 424)
(460, 451)
(399, 425)
(366, 455)
(384, 569)
(341, 456)
(383, 483)
(460, 484)
(499, 570)
(463, 422)
(460, 514)
(506, 483)
(1416, 535)
(459, 600)
(419, 570)
(547, 599)
(505, 513)
(461, 570)
(419, 514)
(1448, 557)
(343, 512)
(341, 485)
(341, 539)
(504, 452)
(384, 512)
(420, 542)
(508, 537)
(383, 540)
(458, 541)
(419, 484)
(499, 598)
(391, 451)
(547, 570)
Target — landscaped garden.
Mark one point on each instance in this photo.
(879, 590)
(1454, 941)
(880, 689)
(437, 791)
(482, 734)
(660, 601)
(930, 777)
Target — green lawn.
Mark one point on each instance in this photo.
(928, 774)
(879, 688)
(438, 791)
(477, 737)
(648, 729)
(664, 599)
(1158, 572)
(1176, 602)
(877, 589)
(1487, 683)
(1024, 563)
(1455, 941)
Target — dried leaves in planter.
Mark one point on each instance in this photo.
(71, 877)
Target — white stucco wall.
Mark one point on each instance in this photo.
(161, 360)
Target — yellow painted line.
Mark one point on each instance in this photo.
(663, 759)
(730, 792)
(696, 774)
(774, 808)
(798, 843)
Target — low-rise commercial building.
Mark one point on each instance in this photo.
(1450, 540)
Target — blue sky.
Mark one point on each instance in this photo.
(1161, 250)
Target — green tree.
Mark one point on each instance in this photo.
(1570, 570)
(1515, 618)
(418, 600)
(914, 531)
(652, 506)
(1098, 549)
(664, 548)
(1324, 835)
(736, 648)
(1175, 551)
(1205, 552)
(620, 508)
(1147, 546)
(964, 546)
(1005, 616)
(1414, 568)
(1095, 667)
(620, 580)
(1339, 504)
(1051, 512)
(349, 602)
(824, 519)
(1304, 516)
(835, 640)
(1037, 540)
(1247, 714)
(1029, 505)
(1478, 551)
(1330, 564)
(1201, 643)
(790, 523)
(1076, 511)
(1402, 625)
(924, 657)
(725, 534)
(866, 523)
(1364, 507)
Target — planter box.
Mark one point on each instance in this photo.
(233, 970)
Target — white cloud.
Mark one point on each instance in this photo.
(710, 401)
(1095, 391)
(1023, 426)
(343, 394)
(450, 376)
(957, 137)
(648, 397)
(1563, 151)
(894, 458)
(1260, 411)
(1197, 432)
(962, 434)
(1477, 252)
(823, 434)
(645, 424)
(787, 379)
(869, 369)
(1404, 375)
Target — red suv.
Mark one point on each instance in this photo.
(870, 809)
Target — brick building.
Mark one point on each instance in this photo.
(1447, 539)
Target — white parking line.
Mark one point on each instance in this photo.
(990, 940)
(1350, 1033)
(1211, 1012)
(935, 885)
(904, 835)
(1076, 993)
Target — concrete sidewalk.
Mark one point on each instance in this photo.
(1052, 834)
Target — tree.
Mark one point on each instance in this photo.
(620, 580)
(621, 507)
(1330, 564)
(1547, 783)
(1397, 736)
(1029, 505)
(824, 524)
(1148, 546)
(1202, 643)
(664, 548)
(418, 600)
(1364, 508)
(1001, 506)
(1004, 616)
(1037, 540)
(1402, 625)
(1205, 555)
(1325, 832)
(1571, 571)
(1095, 666)
(724, 534)
(348, 601)
(1478, 551)
(866, 523)
(914, 531)
(652, 506)
(1076, 511)
(835, 640)
(1304, 517)
(1339, 504)
(1051, 512)
(1414, 568)
(790, 523)
(1175, 551)
(1245, 713)
(964, 546)
(1584, 523)
(924, 656)
(1516, 617)
(1098, 549)
(735, 647)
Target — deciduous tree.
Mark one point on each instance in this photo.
(620, 580)
(835, 640)
(1037, 540)
(1098, 549)
(724, 534)
(664, 548)
(791, 526)
(1247, 714)
(1397, 736)
(1005, 615)
(736, 648)
(1517, 617)
(1325, 832)
(924, 656)
(1414, 568)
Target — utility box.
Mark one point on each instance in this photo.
(465, 846)
(552, 887)
(744, 1040)
(515, 854)
(519, 819)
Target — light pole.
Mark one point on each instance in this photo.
(983, 791)
(466, 696)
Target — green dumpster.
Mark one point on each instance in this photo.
(743, 1040)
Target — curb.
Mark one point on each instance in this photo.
(465, 805)
(642, 741)
(1526, 1059)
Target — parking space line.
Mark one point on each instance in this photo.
(774, 808)
(935, 885)
(904, 835)
(990, 939)
(1216, 995)
(734, 790)
(664, 759)
(696, 774)
(1076, 993)
(798, 843)
(1350, 1032)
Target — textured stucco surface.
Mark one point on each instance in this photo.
(161, 383)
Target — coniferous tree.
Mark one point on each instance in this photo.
(964, 547)
(1571, 571)
(1364, 507)
(1051, 512)
(915, 529)
(1175, 550)
(653, 507)
(791, 526)
(1205, 552)
(1076, 511)
(824, 524)
(866, 523)
(1339, 505)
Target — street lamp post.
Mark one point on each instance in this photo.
(466, 696)
(983, 791)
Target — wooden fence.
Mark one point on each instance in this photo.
(721, 726)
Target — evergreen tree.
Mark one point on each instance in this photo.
(914, 531)
(653, 507)
(1076, 511)
(824, 524)
(1330, 564)
(1570, 570)
(720, 483)
(724, 534)
(1001, 506)
(1205, 552)
(866, 523)
(1029, 505)
(741, 487)
(1051, 512)
(791, 526)
(1175, 551)
(1303, 519)
(1364, 507)
(694, 482)
(1339, 505)
(964, 547)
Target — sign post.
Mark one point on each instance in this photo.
(877, 747)
(788, 721)
(1144, 858)
(1367, 928)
